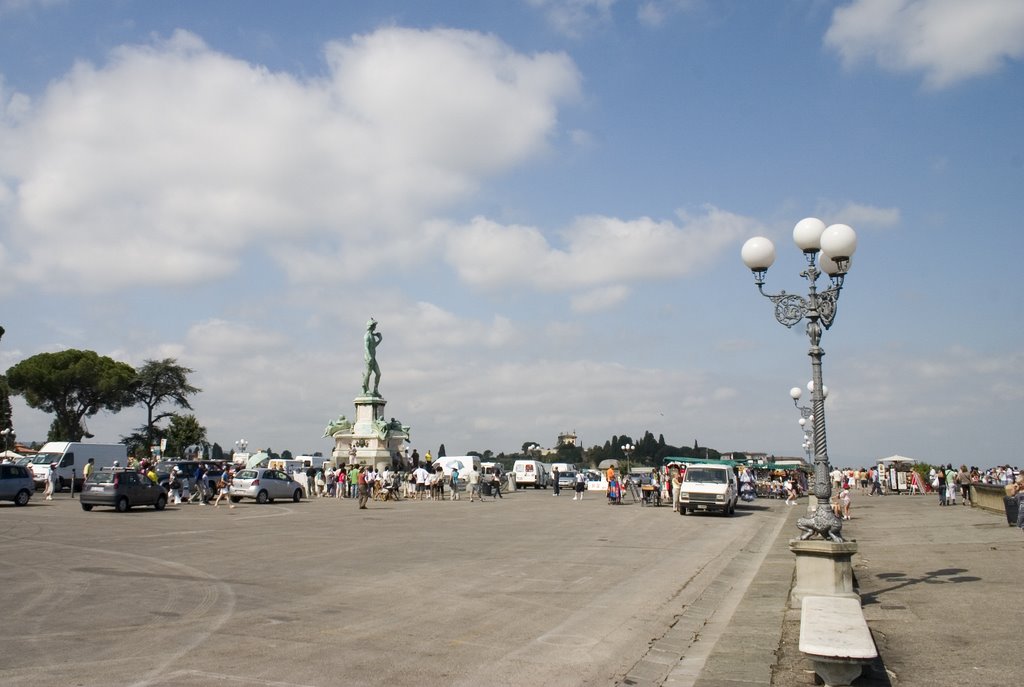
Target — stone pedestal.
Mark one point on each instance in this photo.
(375, 438)
(823, 568)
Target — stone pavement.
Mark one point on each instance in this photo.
(938, 591)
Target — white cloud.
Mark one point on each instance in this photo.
(856, 215)
(575, 17)
(598, 251)
(599, 299)
(163, 164)
(948, 40)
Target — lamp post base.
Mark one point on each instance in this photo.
(823, 568)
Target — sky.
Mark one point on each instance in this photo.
(542, 202)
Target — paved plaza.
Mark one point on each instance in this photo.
(528, 590)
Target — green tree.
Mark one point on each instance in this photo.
(217, 452)
(159, 382)
(440, 452)
(73, 385)
(286, 454)
(182, 432)
(6, 418)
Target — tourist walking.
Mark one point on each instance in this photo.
(554, 477)
(581, 486)
(224, 487)
(963, 480)
(51, 482)
(474, 486)
(950, 485)
(455, 484)
(364, 488)
(939, 484)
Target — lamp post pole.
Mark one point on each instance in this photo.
(827, 250)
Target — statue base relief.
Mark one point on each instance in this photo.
(377, 440)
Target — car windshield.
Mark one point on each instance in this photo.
(45, 458)
(568, 474)
(706, 475)
(102, 477)
(246, 474)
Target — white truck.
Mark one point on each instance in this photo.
(71, 457)
(710, 488)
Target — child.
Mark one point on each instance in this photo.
(844, 503)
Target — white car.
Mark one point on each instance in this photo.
(264, 485)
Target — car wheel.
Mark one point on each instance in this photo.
(122, 505)
(161, 502)
(22, 498)
(87, 507)
(682, 511)
(235, 499)
(297, 496)
(262, 497)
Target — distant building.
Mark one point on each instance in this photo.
(568, 439)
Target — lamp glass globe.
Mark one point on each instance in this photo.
(795, 393)
(758, 253)
(807, 234)
(839, 241)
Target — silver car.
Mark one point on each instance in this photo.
(264, 485)
(16, 484)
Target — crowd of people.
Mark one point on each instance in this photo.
(425, 482)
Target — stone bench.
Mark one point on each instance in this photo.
(835, 636)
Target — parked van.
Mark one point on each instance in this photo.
(530, 473)
(564, 467)
(71, 457)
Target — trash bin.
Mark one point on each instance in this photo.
(1012, 510)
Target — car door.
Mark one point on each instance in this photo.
(147, 490)
(277, 483)
(8, 481)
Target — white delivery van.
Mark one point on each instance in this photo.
(71, 457)
(530, 473)
(710, 488)
(564, 467)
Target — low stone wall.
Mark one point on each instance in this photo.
(988, 497)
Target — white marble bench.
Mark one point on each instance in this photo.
(835, 636)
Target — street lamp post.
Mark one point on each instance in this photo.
(806, 416)
(628, 450)
(827, 250)
(7, 435)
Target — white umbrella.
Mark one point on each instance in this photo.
(10, 454)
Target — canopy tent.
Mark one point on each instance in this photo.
(10, 454)
(609, 463)
(257, 460)
(896, 459)
(700, 461)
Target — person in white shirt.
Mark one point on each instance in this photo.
(421, 482)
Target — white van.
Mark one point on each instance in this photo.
(564, 467)
(708, 487)
(71, 457)
(530, 473)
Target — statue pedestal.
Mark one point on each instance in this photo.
(375, 438)
(823, 568)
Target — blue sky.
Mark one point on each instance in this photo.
(541, 202)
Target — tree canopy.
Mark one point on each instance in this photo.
(182, 432)
(158, 382)
(73, 385)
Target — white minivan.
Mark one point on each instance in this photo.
(713, 488)
(530, 473)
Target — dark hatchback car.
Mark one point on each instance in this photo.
(16, 484)
(122, 489)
